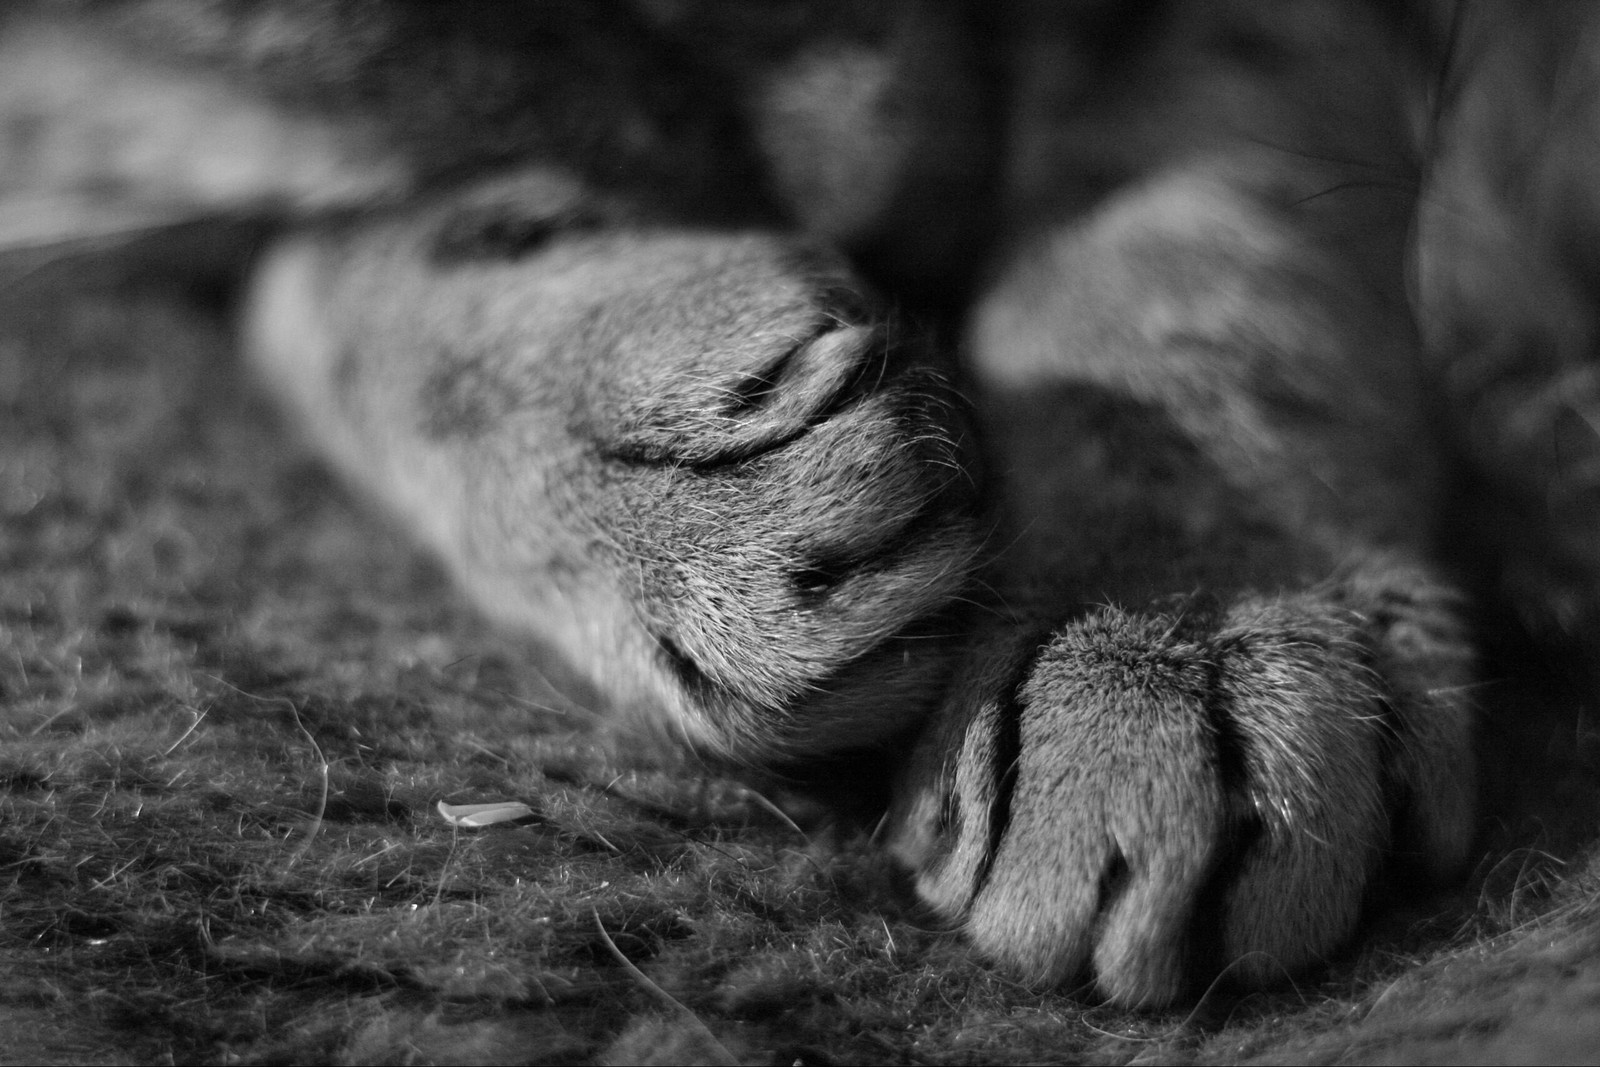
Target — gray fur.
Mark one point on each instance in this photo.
(742, 559)
(627, 380)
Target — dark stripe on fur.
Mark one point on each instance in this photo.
(1242, 830)
(1007, 756)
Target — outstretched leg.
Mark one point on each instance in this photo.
(701, 463)
(1230, 689)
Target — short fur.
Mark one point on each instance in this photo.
(601, 308)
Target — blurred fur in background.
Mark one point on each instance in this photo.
(233, 693)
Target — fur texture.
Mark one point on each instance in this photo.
(1164, 612)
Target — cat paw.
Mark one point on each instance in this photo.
(1145, 800)
(704, 463)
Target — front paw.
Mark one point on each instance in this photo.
(703, 463)
(1153, 798)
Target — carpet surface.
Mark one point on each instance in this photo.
(232, 699)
